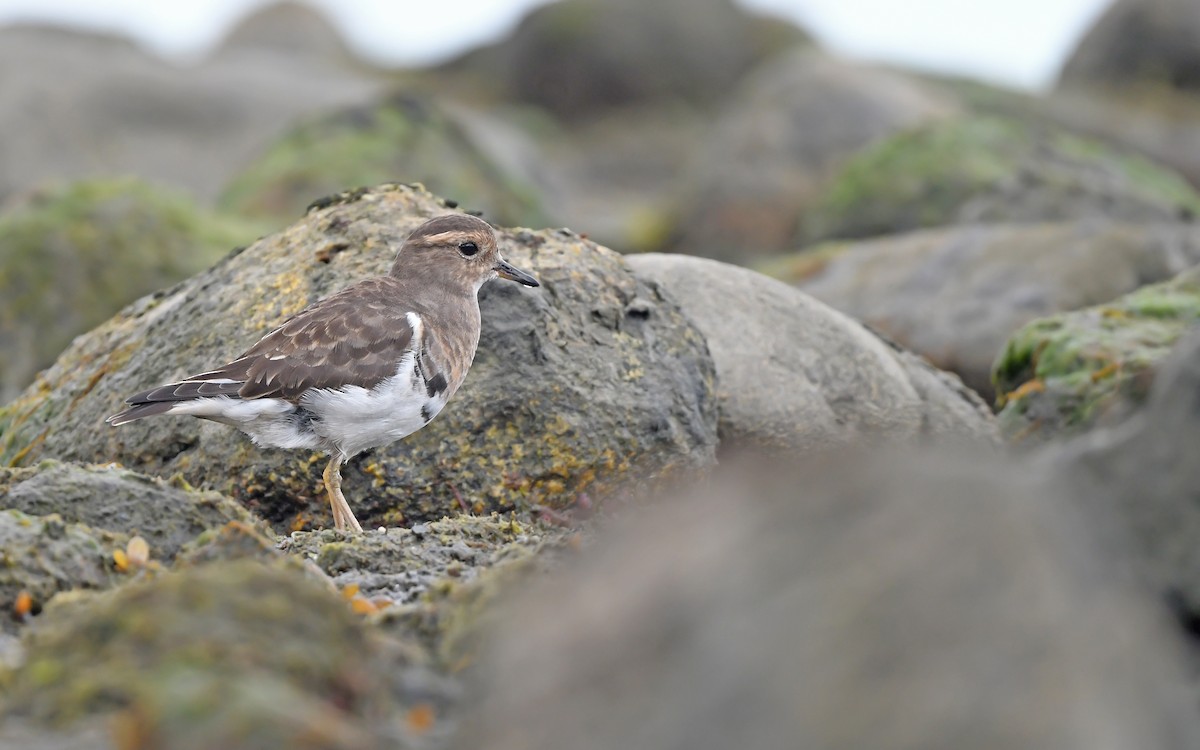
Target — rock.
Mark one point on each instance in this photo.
(954, 295)
(1145, 470)
(795, 374)
(400, 565)
(588, 383)
(71, 256)
(1140, 41)
(43, 555)
(990, 170)
(848, 602)
(111, 499)
(1062, 374)
(581, 58)
(786, 128)
(288, 29)
(78, 105)
(236, 655)
(408, 137)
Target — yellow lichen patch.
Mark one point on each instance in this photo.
(1027, 388)
(349, 591)
(120, 560)
(137, 552)
(1114, 312)
(363, 606)
(1112, 368)
(420, 718)
(23, 606)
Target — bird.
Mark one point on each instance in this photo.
(361, 368)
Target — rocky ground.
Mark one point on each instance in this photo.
(856, 408)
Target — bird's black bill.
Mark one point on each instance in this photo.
(513, 273)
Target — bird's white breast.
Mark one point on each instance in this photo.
(353, 418)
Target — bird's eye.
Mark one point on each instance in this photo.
(468, 248)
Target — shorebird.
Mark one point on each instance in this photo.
(361, 368)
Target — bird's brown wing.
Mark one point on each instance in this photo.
(355, 337)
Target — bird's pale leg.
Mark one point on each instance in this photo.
(342, 515)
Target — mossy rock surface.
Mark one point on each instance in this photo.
(71, 256)
(990, 170)
(1060, 375)
(112, 499)
(594, 381)
(407, 138)
(44, 555)
(238, 654)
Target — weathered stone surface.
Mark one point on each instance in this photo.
(992, 170)
(579, 58)
(852, 602)
(955, 295)
(593, 380)
(793, 373)
(43, 555)
(1140, 41)
(1145, 469)
(71, 256)
(108, 498)
(288, 29)
(236, 655)
(407, 137)
(767, 156)
(1062, 374)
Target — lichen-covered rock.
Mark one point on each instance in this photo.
(955, 294)
(112, 499)
(793, 373)
(579, 58)
(992, 170)
(405, 137)
(591, 381)
(72, 255)
(766, 158)
(237, 655)
(843, 603)
(43, 555)
(1060, 375)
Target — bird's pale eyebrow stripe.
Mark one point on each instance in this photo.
(446, 237)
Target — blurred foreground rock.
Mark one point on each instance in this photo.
(795, 374)
(955, 295)
(1063, 374)
(594, 380)
(71, 256)
(854, 602)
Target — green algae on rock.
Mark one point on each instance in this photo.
(236, 654)
(72, 255)
(44, 555)
(594, 381)
(988, 169)
(406, 137)
(1059, 375)
(166, 515)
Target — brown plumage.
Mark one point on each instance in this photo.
(361, 368)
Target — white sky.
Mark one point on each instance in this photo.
(1018, 42)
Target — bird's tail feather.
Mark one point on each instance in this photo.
(139, 411)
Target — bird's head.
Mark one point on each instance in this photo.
(458, 248)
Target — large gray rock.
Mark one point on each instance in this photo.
(75, 105)
(1140, 41)
(111, 499)
(794, 373)
(989, 170)
(853, 602)
(955, 295)
(787, 127)
(579, 58)
(594, 380)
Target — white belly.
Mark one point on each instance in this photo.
(353, 418)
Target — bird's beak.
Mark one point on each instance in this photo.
(513, 273)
